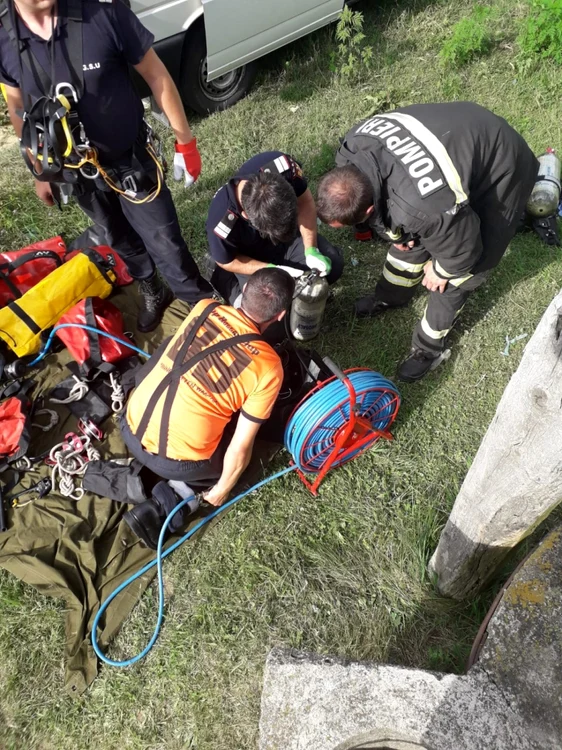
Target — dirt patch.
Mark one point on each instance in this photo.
(7, 137)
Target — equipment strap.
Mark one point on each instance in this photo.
(171, 381)
(7, 268)
(95, 359)
(72, 51)
(11, 265)
(24, 317)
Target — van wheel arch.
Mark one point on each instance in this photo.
(206, 97)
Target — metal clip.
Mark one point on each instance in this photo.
(62, 87)
(130, 184)
(90, 429)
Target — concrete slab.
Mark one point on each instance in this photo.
(315, 703)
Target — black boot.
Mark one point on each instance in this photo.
(419, 363)
(155, 297)
(369, 306)
(146, 520)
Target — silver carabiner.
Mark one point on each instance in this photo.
(87, 175)
(59, 90)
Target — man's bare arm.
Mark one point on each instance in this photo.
(243, 265)
(155, 73)
(308, 225)
(236, 459)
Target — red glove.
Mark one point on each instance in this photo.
(187, 162)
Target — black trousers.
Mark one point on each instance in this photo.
(402, 273)
(146, 236)
(197, 474)
(230, 285)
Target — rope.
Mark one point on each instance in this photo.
(70, 463)
(53, 419)
(117, 394)
(91, 157)
(76, 393)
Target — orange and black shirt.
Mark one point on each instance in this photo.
(245, 378)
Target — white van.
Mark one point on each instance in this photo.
(209, 46)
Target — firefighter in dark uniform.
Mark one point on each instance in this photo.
(265, 215)
(447, 184)
(109, 38)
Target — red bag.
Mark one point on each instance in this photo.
(118, 265)
(14, 428)
(90, 349)
(20, 270)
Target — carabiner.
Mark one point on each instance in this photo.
(69, 87)
(93, 176)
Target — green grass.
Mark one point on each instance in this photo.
(345, 573)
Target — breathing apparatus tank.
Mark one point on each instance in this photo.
(309, 302)
(546, 192)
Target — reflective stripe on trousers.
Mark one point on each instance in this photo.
(441, 313)
(402, 272)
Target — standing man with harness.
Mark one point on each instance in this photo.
(65, 69)
(447, 184)
(202, 397)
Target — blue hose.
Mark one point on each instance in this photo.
(309, 438)
(45, 350)
(311, 432)
(158, 562)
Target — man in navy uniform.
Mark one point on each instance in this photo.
(36, 39)
(266, 216)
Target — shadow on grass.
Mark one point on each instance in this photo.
(443, 629)
(382, 342)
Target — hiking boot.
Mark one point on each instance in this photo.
(369, 306)
(155, 297)
(146, 520)
(419, 363)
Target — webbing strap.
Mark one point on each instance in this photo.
(72, 51)
(24, 317)
(196, 325)
(11, 265)
(94, 359)
(173, 383)
(10, 284)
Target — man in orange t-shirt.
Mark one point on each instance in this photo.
(217, 365)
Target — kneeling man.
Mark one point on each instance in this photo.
(178, 419)
(265, 215)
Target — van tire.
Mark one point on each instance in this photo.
(214, 96)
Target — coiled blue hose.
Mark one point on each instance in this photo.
(313, 428)
(309, 438)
